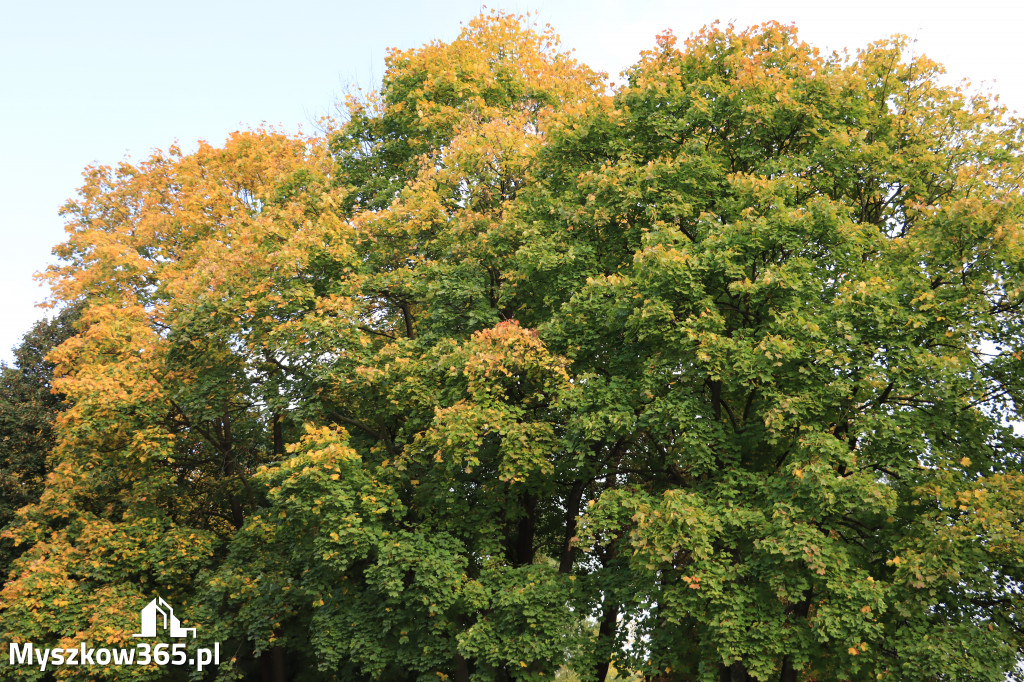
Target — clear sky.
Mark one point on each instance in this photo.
(87, 81)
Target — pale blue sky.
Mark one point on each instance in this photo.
(88, 81)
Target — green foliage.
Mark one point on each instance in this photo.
(792, 269)
(28, 408)
(711, 378)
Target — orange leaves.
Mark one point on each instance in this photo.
(132, 230)
(511, 351)
(323, 446)
(106, 371)
(494, 65)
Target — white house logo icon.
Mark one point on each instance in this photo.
(159, 608)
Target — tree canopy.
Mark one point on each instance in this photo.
(513, 374)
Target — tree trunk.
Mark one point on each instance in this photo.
(278, 430)
(461, 669)
(520, 549)
(737, 672)
(273, 666)
(801, 610)
(606, 640)
(788, 672)
(572, 512)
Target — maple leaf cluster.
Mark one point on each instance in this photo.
(513, 375)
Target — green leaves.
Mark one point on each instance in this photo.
(758, 300)
(713, 377)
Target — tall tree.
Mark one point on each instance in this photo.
(168, 415)
(416, 527)
(28, 408)
(792, 286)
(712, 379)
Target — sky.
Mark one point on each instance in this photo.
(97, 81)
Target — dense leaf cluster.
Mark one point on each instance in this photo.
(510, 377)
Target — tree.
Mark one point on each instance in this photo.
(792, 288)
(709, 379)
(28, 407)
(411, 528)
(168, 416)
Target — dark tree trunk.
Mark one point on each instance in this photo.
(408, 319)
(278, 430)
(716, 399)
(521, 550)
(801, 609)
(788, 672)
(572, 512)
(737, 672)
(461, 669)
(273, 666)
(237, 515)
(606, 640)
